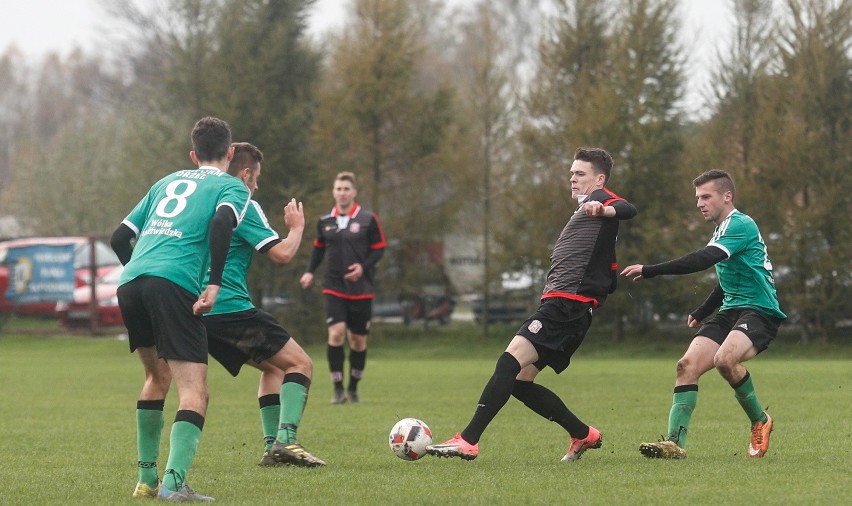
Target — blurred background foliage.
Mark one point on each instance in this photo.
(461, 121)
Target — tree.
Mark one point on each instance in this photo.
(616, 86)
(561, 113)
(804, 154)
(267, 90)
(168, 48)
(489, 85)
(379, 118)
(737, 79)
(14, 98)
(73, 187)
(646, 82)
(68, 144)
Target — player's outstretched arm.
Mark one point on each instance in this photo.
(691, 262)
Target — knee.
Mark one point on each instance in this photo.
(724, 364)
(305, 365)
(357, 342)
(507, 366)
(684, 366)
(336, 334)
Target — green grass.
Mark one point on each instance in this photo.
(67, 430)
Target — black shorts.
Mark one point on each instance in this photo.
(158, 313)
(761, 329)
(556, 330)
(235, 338)
(355, 312)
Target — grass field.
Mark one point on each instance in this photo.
(67, 430)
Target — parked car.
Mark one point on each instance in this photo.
(77, 313)
(277, 301)
(429, 308)
(434, 303)
(105, 260)
(508, 307)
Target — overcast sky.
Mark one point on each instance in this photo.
(39, 26)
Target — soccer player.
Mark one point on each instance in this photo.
(746, 323)
(581, 275)
(181, 226)
(239, 333)
(355, 243)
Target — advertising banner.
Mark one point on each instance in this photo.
(40, 274)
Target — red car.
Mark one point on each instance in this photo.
(76, 313)
(105, 260)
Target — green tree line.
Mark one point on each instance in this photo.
(461, 121)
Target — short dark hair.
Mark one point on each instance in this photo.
(724, 182)
(347, 176)
(599, 158)
(211, 138)
(245, 155)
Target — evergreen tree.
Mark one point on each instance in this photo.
(378, 117)
(803, 173)
(614, 86)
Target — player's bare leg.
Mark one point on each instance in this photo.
(737, 349)
(697, 360)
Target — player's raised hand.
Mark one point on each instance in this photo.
(634, 270)
(294, 215)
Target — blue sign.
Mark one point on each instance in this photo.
(40, 274)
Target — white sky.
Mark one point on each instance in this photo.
(39, 26)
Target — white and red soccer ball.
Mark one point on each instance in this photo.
(409, 438)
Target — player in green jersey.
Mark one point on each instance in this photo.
(181, 227)
(239, 333)
(747, 321)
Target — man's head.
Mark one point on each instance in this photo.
(246, 164)
(714, 194)
(590, 170)
(344, 191)
(211, 140)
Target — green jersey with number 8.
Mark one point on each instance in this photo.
(172, 224)
(746, 275)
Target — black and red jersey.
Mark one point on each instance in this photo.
(354, 237)
(583, 265)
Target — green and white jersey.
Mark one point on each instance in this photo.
(172, 224)
(746, 275)
(254, 233)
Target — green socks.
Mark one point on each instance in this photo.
(294, 395)
(186, 433)
(746, 396)
(683, 404)
(270, 411)
(149, 427)
(686, 396)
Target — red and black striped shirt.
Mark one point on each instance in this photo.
(583, 265)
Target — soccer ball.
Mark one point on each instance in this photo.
(409, 438)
